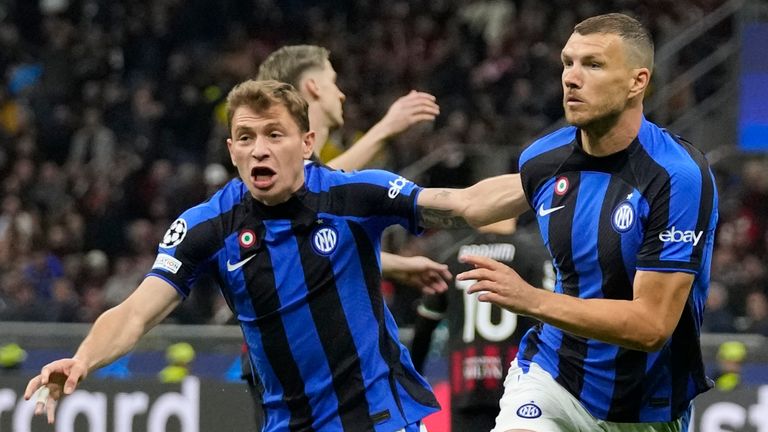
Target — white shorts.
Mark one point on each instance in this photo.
(414, 427)
(535, 401)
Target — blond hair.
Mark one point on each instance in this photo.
(289, 63)
(260, 96)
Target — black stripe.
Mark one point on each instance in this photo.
(573, 349)
(707, 199)
(687, 363)
(532, 341)
(389, 348)
(335, 335)
(616, 284)
(260, 278)
(539, 169)
(652, 180)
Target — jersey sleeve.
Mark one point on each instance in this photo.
(185, 251)
(389, 197)
(681, 222)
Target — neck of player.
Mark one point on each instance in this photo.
(612, 134)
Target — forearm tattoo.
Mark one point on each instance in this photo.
(440, 218)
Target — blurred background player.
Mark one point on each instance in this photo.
(309, 69)
(483, 338)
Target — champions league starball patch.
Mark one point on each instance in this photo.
(175, 234)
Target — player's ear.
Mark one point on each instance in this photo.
(641, 77)
(231, 155)
(309, 87)
(308, 144)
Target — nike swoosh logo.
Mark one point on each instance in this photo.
(237, 265)
(543, 212)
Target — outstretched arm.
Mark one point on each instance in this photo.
(415, 107)
(488, 201)
(113, 334)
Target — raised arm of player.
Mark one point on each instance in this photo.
(415, 107)
(644, 323)
(488, 201)
(113, 334)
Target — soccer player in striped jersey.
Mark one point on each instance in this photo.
(628, 211)
(295, 246)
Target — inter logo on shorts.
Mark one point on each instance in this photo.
(247, 239)
(175, 234)
(623, 217)
(529, 411)
(324, 240)
(561, 186)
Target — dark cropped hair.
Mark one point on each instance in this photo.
(627, 28)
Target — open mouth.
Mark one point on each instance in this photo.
(262, 177)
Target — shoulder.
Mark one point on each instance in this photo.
(679, 158)
(547, 143)
(320, 178)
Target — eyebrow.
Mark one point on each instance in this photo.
(588, 56)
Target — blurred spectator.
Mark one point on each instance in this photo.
(717, 316)
(111, 117)
(757, 313)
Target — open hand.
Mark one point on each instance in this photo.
(498, 284)
(408, 110)
(55, 380)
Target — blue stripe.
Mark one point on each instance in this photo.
(660, 379)
(587, 265)
(630, 246)
(317, 181)
(546, 143)
(357, 307)
(235, 280)
(683, 201)
(599, 377)
(278, 414)
(584, 233)
(298, 321)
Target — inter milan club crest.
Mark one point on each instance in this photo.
(623, 217)
(561, 186)
(247, 239)
(324, 239)
(175, 234)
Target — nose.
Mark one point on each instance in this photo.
(260, 151)
(572, 77)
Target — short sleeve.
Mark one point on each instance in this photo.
(185, 251)
(680, 223)
(386, 196)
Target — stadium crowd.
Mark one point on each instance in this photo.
(111, 123)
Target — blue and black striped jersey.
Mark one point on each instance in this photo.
(652, 206)
(303, 279)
